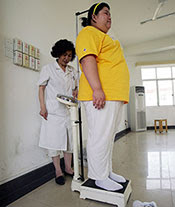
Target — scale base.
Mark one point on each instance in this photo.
(76, 185)
(90, 191)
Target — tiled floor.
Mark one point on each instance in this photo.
(148, 159)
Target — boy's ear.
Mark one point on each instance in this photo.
(94, 18)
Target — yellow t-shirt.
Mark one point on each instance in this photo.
(112, 67)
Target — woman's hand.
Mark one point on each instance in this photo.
(43, 112)
(75, 93)
(98, 99)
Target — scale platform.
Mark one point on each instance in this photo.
(120, 198)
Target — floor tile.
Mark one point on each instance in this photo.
(160, 197)
(26, 202)
(146, 158)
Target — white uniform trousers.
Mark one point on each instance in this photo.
(102, 127)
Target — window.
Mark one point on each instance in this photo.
(159, 85)
(151, 93)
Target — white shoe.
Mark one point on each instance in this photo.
(117, 178)
(150, 204)
(144, 204)
(108, 184)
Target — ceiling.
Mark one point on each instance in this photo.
(127, 15)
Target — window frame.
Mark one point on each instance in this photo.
(172, 79)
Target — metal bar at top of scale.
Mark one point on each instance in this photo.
(79, 13)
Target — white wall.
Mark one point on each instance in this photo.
(40, 23)
(144, 53)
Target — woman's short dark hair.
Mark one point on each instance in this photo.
(61, 47)
(87, 21)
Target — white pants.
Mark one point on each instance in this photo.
(102, 127)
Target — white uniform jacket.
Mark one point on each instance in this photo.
(57, 128)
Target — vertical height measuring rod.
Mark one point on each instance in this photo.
(79, 105)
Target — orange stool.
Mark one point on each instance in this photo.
(160, 121)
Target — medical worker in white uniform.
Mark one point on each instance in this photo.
(56, 134)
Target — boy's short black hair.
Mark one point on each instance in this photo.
(87, 21)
